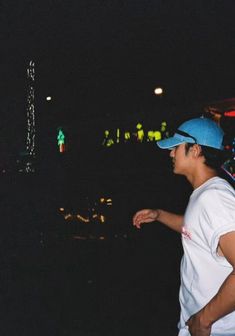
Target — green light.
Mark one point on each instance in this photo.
(60, 137)
(61, 140)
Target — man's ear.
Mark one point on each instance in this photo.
(196, 150)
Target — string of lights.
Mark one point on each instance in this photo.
(30, 141)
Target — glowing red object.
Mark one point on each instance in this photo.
(229, 114)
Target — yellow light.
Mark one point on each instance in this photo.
(157, 135)
(68, 216)
(83, 219)
(158, 91)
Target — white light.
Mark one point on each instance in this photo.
(158, 91)
(48, 98)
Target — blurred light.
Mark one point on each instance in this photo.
(83, 219)
(157, 135)
(48, 98)
(229, 114)
(109, 201)
(228, 147)
(158, 91)
(68, 216)
(79, 237)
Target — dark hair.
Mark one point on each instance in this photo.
(214, 158)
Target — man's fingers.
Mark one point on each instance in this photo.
(137, 222)
(141, 217)
(188, 322)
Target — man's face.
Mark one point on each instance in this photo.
(180, 160)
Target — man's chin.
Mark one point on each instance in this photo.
(175, 171)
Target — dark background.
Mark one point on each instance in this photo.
(100, 61)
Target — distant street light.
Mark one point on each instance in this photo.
(48, 98)
(158, 91)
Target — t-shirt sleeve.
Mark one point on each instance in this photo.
(218, 208)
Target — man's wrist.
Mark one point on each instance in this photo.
(158, 213)
(205, 318)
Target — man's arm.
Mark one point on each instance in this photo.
(223, 302)
(173, 221)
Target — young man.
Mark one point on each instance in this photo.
(207, 291)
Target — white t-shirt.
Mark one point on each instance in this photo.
(209, 214)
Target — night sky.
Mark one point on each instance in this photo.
(101, 60)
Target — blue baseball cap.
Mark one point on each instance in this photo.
(201, 131)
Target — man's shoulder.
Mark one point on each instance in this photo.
(217, 193)
(218, 183)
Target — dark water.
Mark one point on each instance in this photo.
(118, 286)
(124, 284)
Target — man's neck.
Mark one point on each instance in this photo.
(201, 177)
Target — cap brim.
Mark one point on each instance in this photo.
(169, 143)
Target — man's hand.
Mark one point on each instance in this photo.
(223, 303)
(145, 216)
(197, 327)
